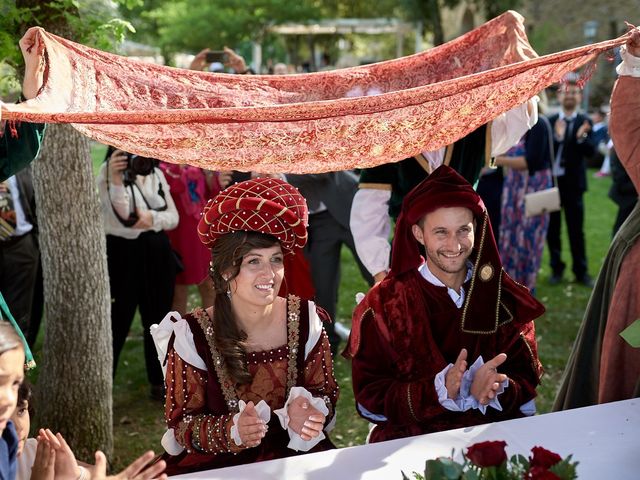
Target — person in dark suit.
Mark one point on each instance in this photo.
(572, 143)
(329, 197)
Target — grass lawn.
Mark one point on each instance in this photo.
(138, 421)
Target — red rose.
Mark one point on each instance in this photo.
(543, 458)
(541, 473)
(487, 454)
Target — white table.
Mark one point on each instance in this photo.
(605, 439)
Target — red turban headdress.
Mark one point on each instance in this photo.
(264, 205)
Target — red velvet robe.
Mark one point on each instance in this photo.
(407, 330)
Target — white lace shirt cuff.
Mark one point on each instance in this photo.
(296, 442)
(465, 389)
(630, 65)
(263, 411)
(170, 444)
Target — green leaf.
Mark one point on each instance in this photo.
(565, 469)
(470, 475)
(434, 470)
(631, 334)
(416, 476)
(451, 469)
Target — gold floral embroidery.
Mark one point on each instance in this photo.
(293, 334)
(228, 389)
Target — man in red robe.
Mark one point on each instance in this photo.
(448, 342)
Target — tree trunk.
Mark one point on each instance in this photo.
(75, 371)
(436, 22)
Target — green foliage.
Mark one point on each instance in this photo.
(195, 24)
(11, 16)
(443, 469)
(430, 11)
(357, 9)
(9, 85)
(566, 468)
(493, 8)
(516, 468)
(90, 22)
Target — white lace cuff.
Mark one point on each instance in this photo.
(296, 442)
(170, 444)
(465, 390)
(263, 411)
(443, 395)
(630, 65)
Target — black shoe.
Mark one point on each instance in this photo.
(585, 280)
(555, 279)
(156, 392)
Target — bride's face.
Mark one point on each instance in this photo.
(260, 276)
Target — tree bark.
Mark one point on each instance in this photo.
(74, 390)
(75, 378)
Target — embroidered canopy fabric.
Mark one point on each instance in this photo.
(317, 122)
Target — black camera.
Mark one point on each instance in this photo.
(138, 165)
(216, 56)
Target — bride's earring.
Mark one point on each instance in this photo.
(226, 279)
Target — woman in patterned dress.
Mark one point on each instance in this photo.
(522, 238)
(250, 378)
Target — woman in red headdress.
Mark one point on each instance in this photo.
(250, 378)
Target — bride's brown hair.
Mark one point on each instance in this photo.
(226, 258)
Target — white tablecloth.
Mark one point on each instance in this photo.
(605, 439)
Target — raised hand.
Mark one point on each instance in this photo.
(251, 427)
(633, 44)
(66, 466)
(118, 162)
(225, 178)
(235, 61)
(44, 464)
(304, 419)
(199, 61)
(453, 378)
(487, 380)
(139, 469)
(145, 219)
(560, 128)
(32, 49)
(584, 129)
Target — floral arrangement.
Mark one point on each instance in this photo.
(488, 461)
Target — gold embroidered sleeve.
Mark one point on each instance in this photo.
(318, 375)
(195, 428)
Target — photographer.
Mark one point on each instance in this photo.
(137, 207)
(227, 57)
